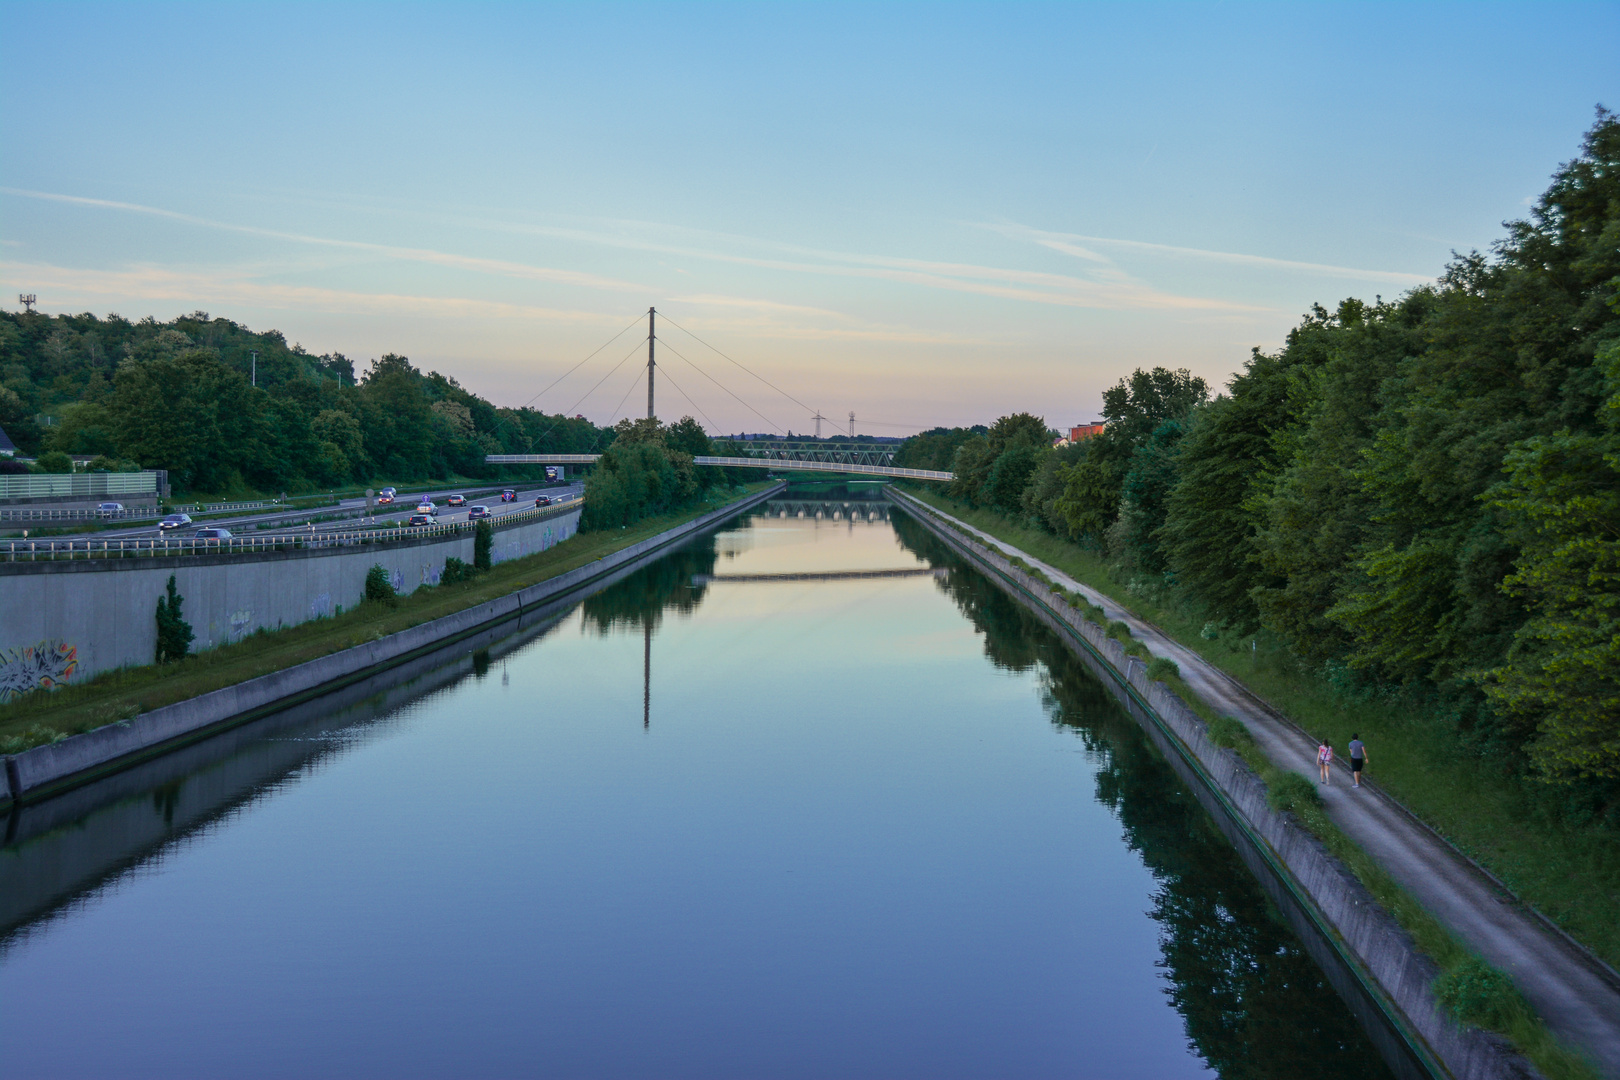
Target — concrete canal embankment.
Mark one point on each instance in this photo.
(46, 770)
(67, 620)
(1363, 951)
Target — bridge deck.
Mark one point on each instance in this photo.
(775, 464)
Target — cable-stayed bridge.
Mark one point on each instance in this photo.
(852, 455)
(829, 463)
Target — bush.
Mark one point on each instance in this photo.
(1162, 667)
(380, 584)
(455, 570)
(55, 461)
(483, 540)
(173, 633)
(1478, 994)
(1289, 791)
(1119, 631)
(1229, 732)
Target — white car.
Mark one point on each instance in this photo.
(428, 508)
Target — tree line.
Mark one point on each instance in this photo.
(178, 396)
(1421, 493)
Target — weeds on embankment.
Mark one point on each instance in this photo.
(42, 717)
(1475, 992)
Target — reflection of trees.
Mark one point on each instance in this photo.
(640, 600)
(1255, 1005)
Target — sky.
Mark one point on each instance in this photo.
(923, 214)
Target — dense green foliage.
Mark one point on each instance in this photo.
(1419, 496)
(380, 584)
(174, 634)
(177, 396)
(648, 470)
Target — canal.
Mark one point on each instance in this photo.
(805, 798)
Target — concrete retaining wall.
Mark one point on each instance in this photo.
(62, 622)
(1332, 911)
(46, 770)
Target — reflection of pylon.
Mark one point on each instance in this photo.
(818, 418)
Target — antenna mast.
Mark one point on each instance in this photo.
(652, 315)
(27, 300)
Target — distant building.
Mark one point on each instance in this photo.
(1086, 431)
(7, 447)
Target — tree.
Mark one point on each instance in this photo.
(173, 632)
(1562, 675)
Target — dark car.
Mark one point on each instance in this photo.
(476, 512)
(456, 500)
(212, 534)
(543, 500)
(420, 519)
(109, 509)
(508, 495)
(174, 521)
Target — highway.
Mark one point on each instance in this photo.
(342, 516)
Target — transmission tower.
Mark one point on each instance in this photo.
(818, 418)
(852, 424)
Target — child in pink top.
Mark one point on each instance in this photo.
(1324, 758)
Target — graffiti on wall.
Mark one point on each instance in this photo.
(45, 666)
(321, 606)
(240, 621)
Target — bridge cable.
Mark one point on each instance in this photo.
(564, 416)
(569, 372)
(755, 374)
(692, 403)
(712, 379)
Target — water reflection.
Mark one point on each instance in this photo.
(1255, 1004)
(587, 901)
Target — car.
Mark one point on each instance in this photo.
(109, 509)
(174, 521)
(212, 534)
(457, 500)
(425, 507)
(476, 512)
(390, 492)
(508, 495)
(384, 499)
(542, 500)
(420, 519)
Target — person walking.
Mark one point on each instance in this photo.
(1324, 759)
(1358, 758)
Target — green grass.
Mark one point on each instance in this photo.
(1474, 991)
(118, 695)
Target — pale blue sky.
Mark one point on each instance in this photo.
(922, 213)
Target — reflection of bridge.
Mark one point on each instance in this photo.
(828, 462)
(826, 575)
(829, 509)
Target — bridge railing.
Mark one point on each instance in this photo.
(774, 464)
(142, 547)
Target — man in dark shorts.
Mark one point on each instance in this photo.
(1358, 758)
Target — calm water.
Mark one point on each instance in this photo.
(872, 827)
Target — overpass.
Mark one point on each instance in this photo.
(826, 461)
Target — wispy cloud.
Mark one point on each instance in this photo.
(502, 267)
(215, 287)
(1069, 244)
(1108, 288)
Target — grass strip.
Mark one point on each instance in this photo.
(1475, 992)
(38, 718)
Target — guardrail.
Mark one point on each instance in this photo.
(64, 550)
(82, 513)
